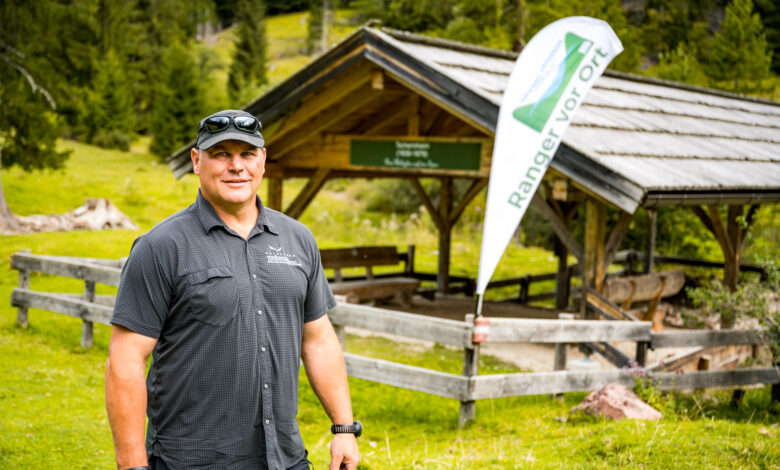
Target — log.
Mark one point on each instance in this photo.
(94, 214)
(644, 287)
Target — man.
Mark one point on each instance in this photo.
(228, 296)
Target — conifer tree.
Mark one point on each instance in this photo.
(248, 70)
(739, 58)
(110, 112)
(178, 103)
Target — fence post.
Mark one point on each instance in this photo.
(470, 369)
(87, 326)
(341, 334)
(641, 353)
(409, 268)
(24, 283)
(776, 387)
(561, 352)
(525, 284)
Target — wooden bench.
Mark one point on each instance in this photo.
(400, 286)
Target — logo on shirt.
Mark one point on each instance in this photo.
(279, 256)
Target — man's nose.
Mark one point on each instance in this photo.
(236, 163)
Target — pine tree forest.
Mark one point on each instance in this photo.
(108, 71)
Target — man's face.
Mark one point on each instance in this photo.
(230, 173)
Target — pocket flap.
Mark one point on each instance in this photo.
(200, 277)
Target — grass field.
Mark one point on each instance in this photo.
(51, 393)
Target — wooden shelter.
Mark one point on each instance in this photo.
(386, 103)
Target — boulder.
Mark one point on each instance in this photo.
(615, 401)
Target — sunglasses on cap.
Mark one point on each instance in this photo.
(214, 124)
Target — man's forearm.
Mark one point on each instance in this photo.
(325, 369)
(126, 408)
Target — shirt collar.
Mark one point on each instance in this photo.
(209, 219)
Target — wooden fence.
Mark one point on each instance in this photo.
(466, 335)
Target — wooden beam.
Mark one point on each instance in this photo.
(377, 79)
(520, 330)
(308, 192)
(408, 377)
(616, 238)
(476, 186)
(73, 307)
(338, 91)
(427, 203)
(595, 221)
(559, 227)
(65, 267)
(705, 219)
(388, 116)
(720, 234)
(706, 338)
(275, 194)
(748, 222)
(306, 130)
(452, 332)
(413, 126)
(445, 236)
(652, 228)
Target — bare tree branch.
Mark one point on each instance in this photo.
(34, 86)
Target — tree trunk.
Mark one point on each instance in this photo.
(8, 222)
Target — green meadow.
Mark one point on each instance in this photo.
(51, 392)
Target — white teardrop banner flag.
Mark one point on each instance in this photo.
(547, 85)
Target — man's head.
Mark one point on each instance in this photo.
(229, 159)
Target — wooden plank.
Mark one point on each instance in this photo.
(408, 377)
(359, 256)
(456, 333)
(595, 226)
(63, 267)
(717, 378)
(558, 226)
(706, 338)
(544, 383)
(413, 123)
(59, 304)
(601, 303)
(307, 193)
(87, 326)
(517, 330)
(540, 383)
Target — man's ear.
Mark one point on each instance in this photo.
(195, 156)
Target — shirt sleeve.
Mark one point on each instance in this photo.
(143, 299)
(319, 297)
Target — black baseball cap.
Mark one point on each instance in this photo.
(230, 124)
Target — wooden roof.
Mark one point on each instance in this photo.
(635, 141)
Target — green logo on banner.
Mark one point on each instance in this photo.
(535, 115)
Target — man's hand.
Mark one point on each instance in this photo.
(344, 454)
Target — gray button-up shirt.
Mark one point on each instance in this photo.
(228, 314)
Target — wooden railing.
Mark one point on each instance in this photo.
(466, 335)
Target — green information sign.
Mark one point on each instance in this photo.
(423, 155)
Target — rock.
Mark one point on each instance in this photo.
(615, 401)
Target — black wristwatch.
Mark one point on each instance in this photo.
(355, 428)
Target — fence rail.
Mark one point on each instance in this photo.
(468, 335)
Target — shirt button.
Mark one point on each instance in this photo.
(259, 312)
(263, 349)
(265, 385)
(268, 421)
(254, 276)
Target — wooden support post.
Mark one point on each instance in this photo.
(641, 353)
(561, 353)
(652, 223)
(445, 236)
(736, 397)
(274, 194)
(704, 364)
(87, 327)
(562, 276)
(525, 285)
(24, 283)
(593, 267)
(409, 271)
(313, 186)
(468, 408)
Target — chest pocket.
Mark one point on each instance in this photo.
(213, 295)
